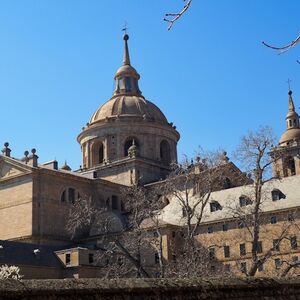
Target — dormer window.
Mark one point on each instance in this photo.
(214, 206)
(277, 195)
(244, 201)
(227, 183)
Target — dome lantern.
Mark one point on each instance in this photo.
(127, 77)
(292, 118)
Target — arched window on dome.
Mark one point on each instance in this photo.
(97, 153)
(165, 156)
(129, 143)
(100, 154)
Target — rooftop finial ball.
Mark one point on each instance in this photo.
(126, 37)
(33, 151)
(290, 92)
(26, 153)
(6, 144)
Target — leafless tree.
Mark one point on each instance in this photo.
(119, 253)
(171, 18)
(254, 153)
(191, 186)
(80, 218)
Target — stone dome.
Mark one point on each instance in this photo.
(130, 106)
(289, 135)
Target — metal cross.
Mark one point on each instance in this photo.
(125, 28)
(289, 83)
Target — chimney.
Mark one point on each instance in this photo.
(37, 253)
(52, 165)
(33, 158)
(6, 151)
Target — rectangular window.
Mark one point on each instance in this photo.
(156, 258)
(225, 227)
(295, 259)
(173, 234)
(259, 247)
(242, 249)
(294, 242)
(241, 224)
(273, 220)
(210, 229)
(226, 251)
(277, 263)
(68, 258)
(211, 253)
(227, 268)
(276, 245)
(91, 258)
(291, 217)
(244, 267)
(260, 266)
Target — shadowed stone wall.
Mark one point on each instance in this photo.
(134, 289)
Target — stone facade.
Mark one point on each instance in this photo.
(129, 141)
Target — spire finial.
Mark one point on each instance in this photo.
(289, 84)
(125, 28)
(126, 60)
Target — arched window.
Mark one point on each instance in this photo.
(290, 165)
(63, 196)
(129, 143)
(69, 195)
(128, 84)
(97, 153)
(165, 152)
(114, 202)
(100, 154)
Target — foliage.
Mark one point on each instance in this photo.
(10, 272)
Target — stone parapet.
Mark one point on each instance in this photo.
(175, 289)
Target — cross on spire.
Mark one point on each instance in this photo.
(125, 28)
(289, 83)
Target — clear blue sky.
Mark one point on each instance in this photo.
(210, 74)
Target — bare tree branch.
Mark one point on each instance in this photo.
(178, 15)
(285, 48)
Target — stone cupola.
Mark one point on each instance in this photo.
(128, 119)
(288, 149)
(292, 118)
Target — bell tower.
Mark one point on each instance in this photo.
(288, 149)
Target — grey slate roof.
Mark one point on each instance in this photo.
(19, 253)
